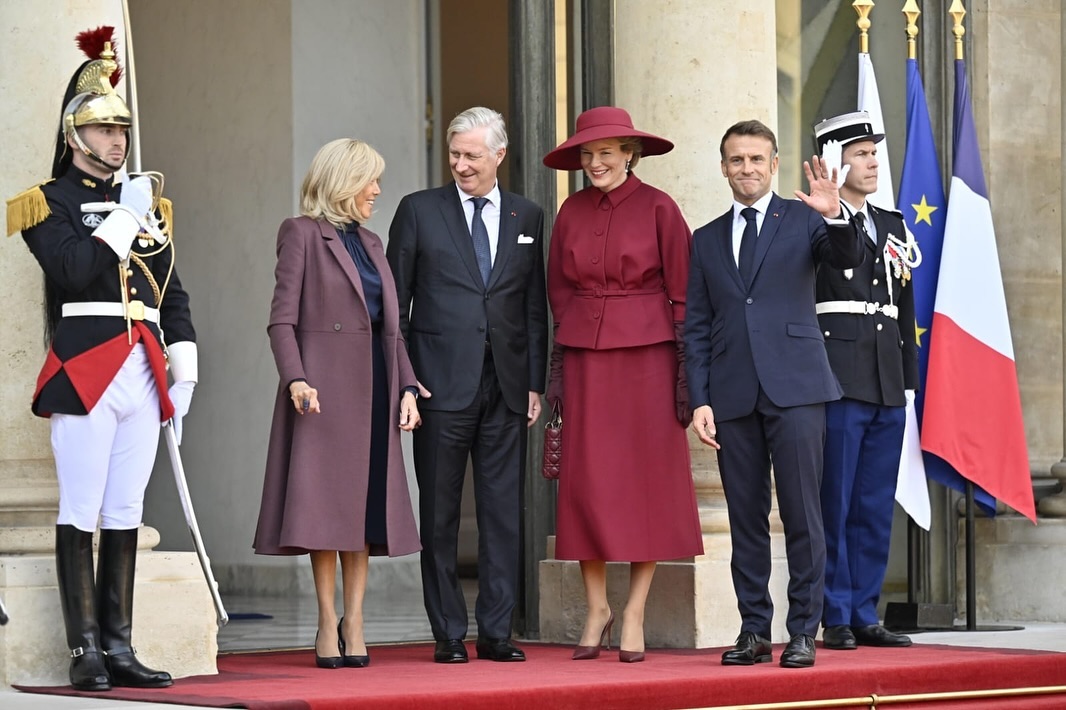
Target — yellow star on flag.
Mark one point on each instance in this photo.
(924, 210)
(919, 332)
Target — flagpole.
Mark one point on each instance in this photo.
(957, 12)
(914, 539)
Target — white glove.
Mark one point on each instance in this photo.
(909, 394)
(181, 398)
(833, 155)
(130, 216)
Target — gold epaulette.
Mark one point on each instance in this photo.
(27, 209)
(166, 211)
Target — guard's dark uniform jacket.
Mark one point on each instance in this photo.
(850, 338)
(87, 351)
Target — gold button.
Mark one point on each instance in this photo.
(129, 272)
(133, 290)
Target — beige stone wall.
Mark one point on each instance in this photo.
(686, 73)
(1015, 74)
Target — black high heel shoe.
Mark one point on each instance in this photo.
(584, 653)
(350, 661)
(329, 661)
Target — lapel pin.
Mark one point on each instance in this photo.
(514, 214)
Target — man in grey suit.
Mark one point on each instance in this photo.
(758, 377)
(469, 266)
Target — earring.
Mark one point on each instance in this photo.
(627, 165)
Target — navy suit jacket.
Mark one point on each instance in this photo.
(738, 339)
(447, 313)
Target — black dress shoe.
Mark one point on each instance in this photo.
(750, 648)
(327, 661)
(450, 651)
(350, 661)
(839, 638)
(499, 650)
(799, 653)
(877, 635)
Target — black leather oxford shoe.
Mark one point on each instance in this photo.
(450, 651)
(877, 635)
(839, 638)
(499, 650)
(749, 649)
(799, 653)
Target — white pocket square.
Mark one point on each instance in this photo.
(523, 239)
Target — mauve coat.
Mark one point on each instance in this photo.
(317, 471)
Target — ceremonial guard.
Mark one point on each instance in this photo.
(867, 318)
(116, 316)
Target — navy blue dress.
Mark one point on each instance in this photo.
(379, 428)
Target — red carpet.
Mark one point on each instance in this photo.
(405, 678)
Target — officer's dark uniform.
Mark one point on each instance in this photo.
(87, 351)
(873, 353)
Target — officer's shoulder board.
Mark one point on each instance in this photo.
(27, 209)
(886, 210)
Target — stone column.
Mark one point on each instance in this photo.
(174, 625)
(684, 74)
(1055, 506)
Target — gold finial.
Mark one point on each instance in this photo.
(957, 12)
(911, 12)
(863, 7)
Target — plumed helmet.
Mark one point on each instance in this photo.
(90, 98)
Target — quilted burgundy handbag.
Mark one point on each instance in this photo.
(553, 445)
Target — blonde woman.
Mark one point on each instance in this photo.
(335, 482)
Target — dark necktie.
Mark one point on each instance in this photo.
(747, 244)
(480, 235)
(860, 219)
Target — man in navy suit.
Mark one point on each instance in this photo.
(867, 317)
(468, 259)
(759, 377)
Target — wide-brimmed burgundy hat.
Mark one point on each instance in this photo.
(599, 124)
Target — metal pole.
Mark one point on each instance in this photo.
(971, 561)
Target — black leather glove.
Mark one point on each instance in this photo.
(684, 411)
(554, 395)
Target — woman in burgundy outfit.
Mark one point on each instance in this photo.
(617, 275)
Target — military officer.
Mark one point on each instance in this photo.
(867, 318)
(116, 316)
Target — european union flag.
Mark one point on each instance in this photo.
(924, 207)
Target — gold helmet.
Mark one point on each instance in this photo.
(91, 97)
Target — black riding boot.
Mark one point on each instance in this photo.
(74, 572)
(114, 603)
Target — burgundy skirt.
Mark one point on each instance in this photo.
(625, 486)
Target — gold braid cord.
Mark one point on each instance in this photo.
(151, 278)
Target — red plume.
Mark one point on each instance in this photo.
(91, 42)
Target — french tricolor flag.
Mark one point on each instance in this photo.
(973, 410)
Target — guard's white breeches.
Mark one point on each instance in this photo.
(104, 458)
